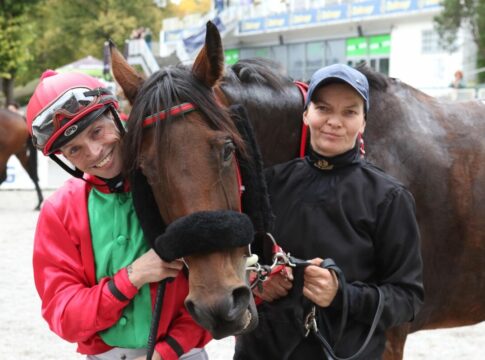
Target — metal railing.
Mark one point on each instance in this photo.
(450, 94)
(139, 53)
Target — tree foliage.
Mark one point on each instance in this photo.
(467, 14)
(15, 39)
(66, 31)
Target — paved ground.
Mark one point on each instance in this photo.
(24, 334)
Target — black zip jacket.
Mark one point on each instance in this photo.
(346, 209)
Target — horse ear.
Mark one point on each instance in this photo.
(128, 78)
(209, 65)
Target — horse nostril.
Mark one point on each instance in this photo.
(240, 297)
(189, 305)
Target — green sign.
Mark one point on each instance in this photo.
(380, 45)
(356, 47)
(231, 56)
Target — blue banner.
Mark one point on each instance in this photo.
(194, 42)
(303, 17)
(429, 4)
(251, 25)
(276, 22)
(331, 13)
(365, 9)
(397, 6)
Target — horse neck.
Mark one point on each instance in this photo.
(404, 132)
(276, 116)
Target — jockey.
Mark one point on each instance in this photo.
(93, 270)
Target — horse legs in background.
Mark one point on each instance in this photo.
(28, 159)
(395, 340)
(3, 172)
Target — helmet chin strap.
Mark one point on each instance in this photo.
(74, 172)
(117, 120)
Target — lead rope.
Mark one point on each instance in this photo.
(280, 258)
(312, 325)
(157, 311)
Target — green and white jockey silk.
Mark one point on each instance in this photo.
(117, 241)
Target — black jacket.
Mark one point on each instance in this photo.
(346, 209)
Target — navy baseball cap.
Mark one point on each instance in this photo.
(340, 73)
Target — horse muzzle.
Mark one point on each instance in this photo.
(219, 299)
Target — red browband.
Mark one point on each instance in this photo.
(176, 110)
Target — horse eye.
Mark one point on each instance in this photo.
(227, 150)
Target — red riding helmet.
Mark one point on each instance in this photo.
(63, 105)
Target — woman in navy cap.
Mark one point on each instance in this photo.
(334, 204)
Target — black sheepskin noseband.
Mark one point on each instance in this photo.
(202, 232)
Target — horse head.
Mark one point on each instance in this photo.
(184, 141)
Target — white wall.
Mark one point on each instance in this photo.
(51, 176)
(408, 63)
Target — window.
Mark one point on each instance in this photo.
(430, 42)
(296, 61)
(315, 56)
(334, 52)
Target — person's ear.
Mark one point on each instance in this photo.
(305, 116)
(362, 127)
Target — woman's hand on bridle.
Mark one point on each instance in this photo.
(276, 286)
(150, 268)
(320, 285)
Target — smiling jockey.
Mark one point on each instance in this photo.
(94, 272)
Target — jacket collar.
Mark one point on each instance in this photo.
(108, 186)
(321, 162)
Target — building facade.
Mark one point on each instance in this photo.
(395, 37)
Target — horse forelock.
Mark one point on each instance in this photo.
(165, 89)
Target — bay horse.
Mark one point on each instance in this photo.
(435, 148)
(15, 140)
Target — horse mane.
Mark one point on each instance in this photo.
(163, 90)
(258, 71)
(376, 80)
